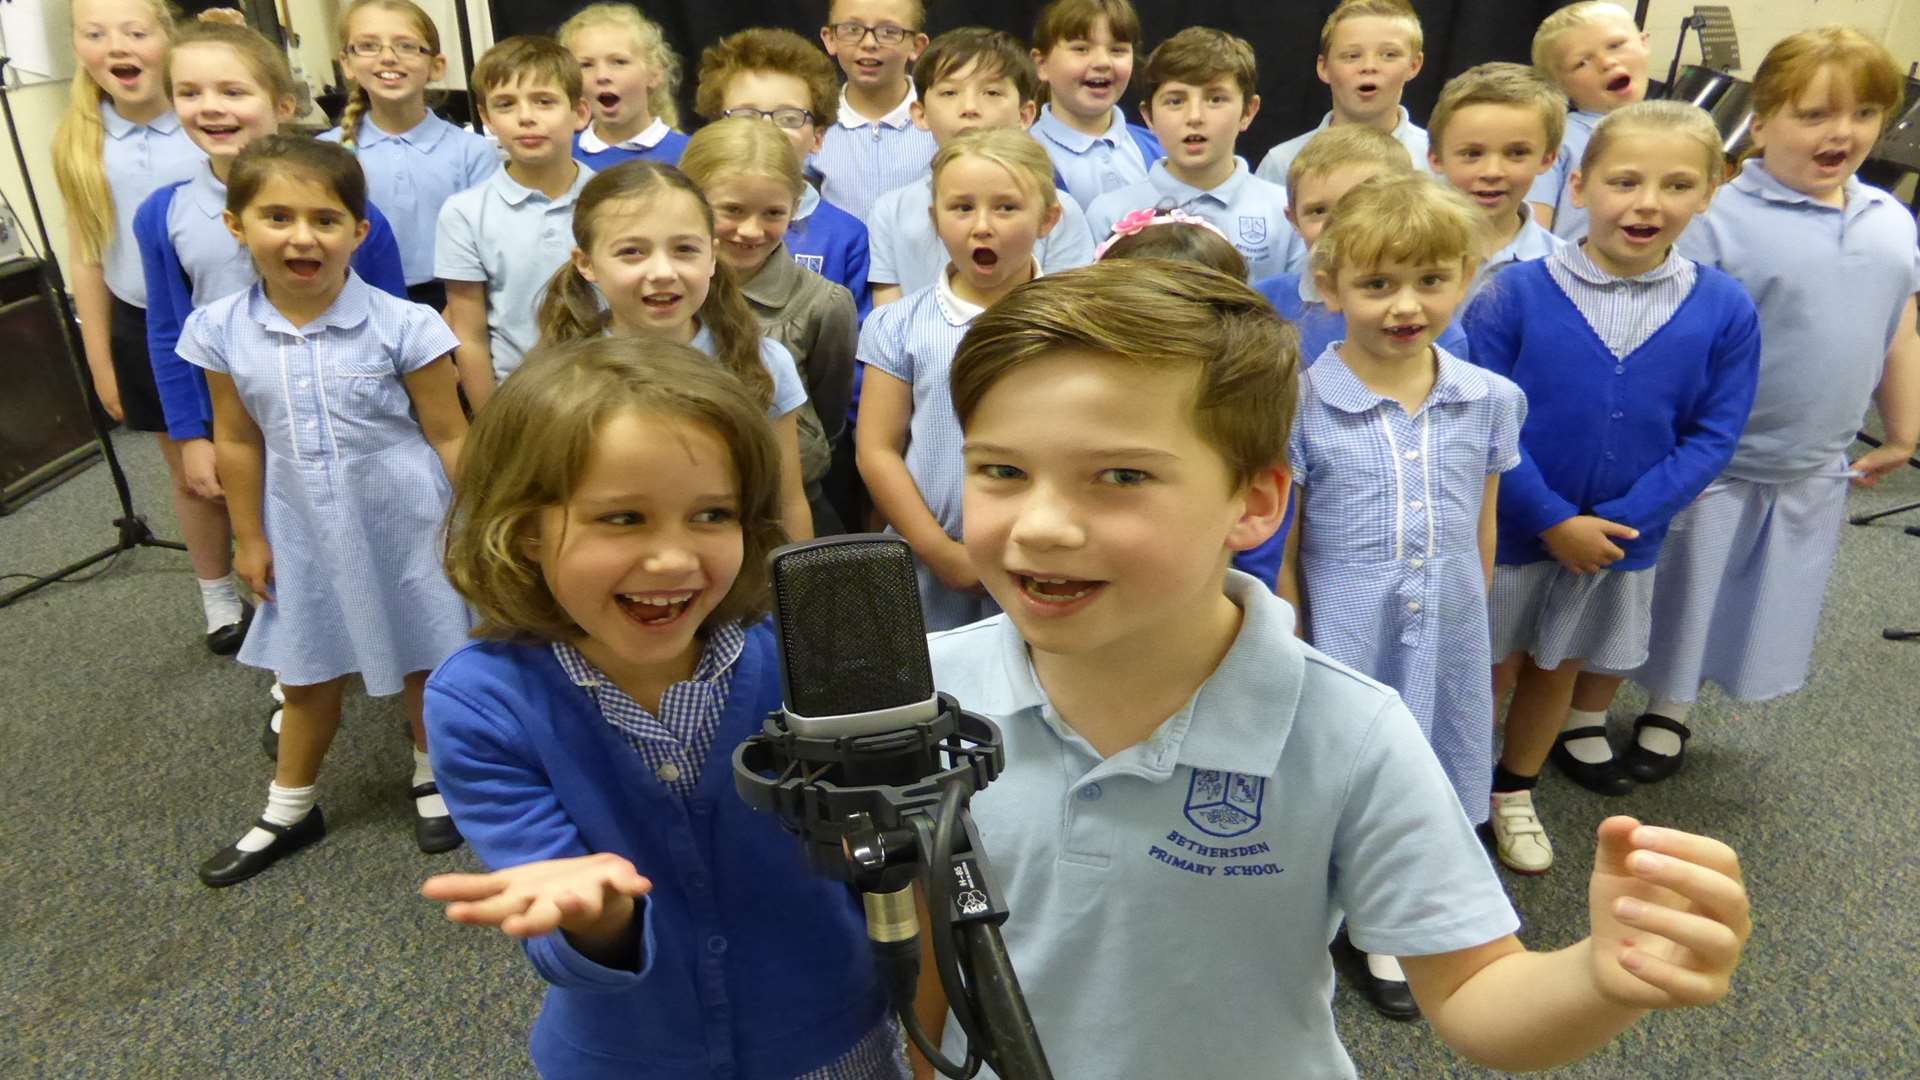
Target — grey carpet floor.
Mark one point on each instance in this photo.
(128, 754)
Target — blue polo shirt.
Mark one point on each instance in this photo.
(832, 243)
(1171, 905)
(1829, 284)
(904, 249)
(860, 160)
(512, 238)
(1273, 167)
(1089, 166)
(1533, 241)
(1250, 211)
(657, 143)
(412, 174)
(138, 159)
(1554, 187)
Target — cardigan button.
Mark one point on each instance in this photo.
(717, 945)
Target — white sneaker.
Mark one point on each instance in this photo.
(1518, 836)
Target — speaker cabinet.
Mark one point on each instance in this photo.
(45, 432)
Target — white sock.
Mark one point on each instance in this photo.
(1660, 740)
(1592, 749)
(220, 602)
(1385, 967)
(279, 695)
(426, 805)
(285, 806)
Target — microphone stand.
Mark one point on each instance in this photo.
(134, 532)
(843, 797)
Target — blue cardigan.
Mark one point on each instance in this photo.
(1631, 440)
(833, 243)
(184, 399)
(667, 152)
(750, 967)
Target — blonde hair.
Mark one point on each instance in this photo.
(1159, 315)
(79, 164)
(1500, 83)
(1397, 10)
(528, 449)
(1564, 21)
(1792, 65)
(649, 41)
(1010, 148)
(261, 58)
(1338, 147)
(357, 100)
(1410, 218)
(742, 146)
(1665, 117)
(571, 309)
(779, 52)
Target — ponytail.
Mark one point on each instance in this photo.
(570, 308)
(358, 102)
(80, 168)
(736, 334)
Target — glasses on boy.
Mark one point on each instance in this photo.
(788, 119)
(852, 33)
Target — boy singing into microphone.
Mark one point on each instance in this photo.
(1177, 758)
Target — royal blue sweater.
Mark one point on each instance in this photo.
(833, 243)
(184, 399)
(667, 152)
(1632, 440)
(749, 966)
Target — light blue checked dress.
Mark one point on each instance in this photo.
(1390, 569)
(354, 496)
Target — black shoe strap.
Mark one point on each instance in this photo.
(1655, 720)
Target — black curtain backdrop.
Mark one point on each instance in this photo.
(1285, 35)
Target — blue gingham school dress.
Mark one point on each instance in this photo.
(354, 496)
(1389, 561)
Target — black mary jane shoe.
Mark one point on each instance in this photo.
(1646, 766)
(231, 866)
(270, 735)
(433, 834)
(227, 640)
(1390, 998)
(1605, 778)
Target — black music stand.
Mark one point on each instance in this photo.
(1719, 45)
(134, 532)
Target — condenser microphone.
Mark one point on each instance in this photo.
(853, 646)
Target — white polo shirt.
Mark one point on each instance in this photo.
(1171, 905)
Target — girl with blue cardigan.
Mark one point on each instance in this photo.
(624, 494)
(1639, 367)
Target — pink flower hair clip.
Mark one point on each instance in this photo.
(1139, 220)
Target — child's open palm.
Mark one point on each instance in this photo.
(578, 895)
(1670, 915)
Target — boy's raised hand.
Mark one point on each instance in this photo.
(586, 895)
(1670, 915)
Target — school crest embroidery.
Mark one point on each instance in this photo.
(1253, 230)
(1225, 803)
(815, 263)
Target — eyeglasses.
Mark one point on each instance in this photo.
(853, 33)
(785, 119)
(403, 49)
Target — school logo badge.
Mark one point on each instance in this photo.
(1225, 803)
(1253, 230)
(815, 263)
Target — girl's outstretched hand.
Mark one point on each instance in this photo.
(1670, 915)
(588, 895)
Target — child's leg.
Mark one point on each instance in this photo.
(1540, 700)
(205, 531)
(292, 819)
(307, 727)
(433, 827)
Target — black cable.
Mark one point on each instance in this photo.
(945, 939)
(939, 892)
(50, 579)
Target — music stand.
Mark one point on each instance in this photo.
(1719, 45)
(134, 532)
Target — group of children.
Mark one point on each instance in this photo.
(1202, 468)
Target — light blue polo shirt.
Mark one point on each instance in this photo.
(1555, 186)
(1171, 905)
(1829, 284)
(789, 393)
(1533, 241)
(139, 159)
(860, 160)
(1250, 211)
(411, 175)
(1092, 165)
(1273, 167)
(216, 263)
(512, 238)
(903, 249)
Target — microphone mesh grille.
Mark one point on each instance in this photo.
(851, 635)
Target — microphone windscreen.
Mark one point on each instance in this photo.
(847, 618)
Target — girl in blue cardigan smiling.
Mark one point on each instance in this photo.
(625, 493)
(1639, 367)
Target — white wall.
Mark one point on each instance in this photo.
(1762, 23)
